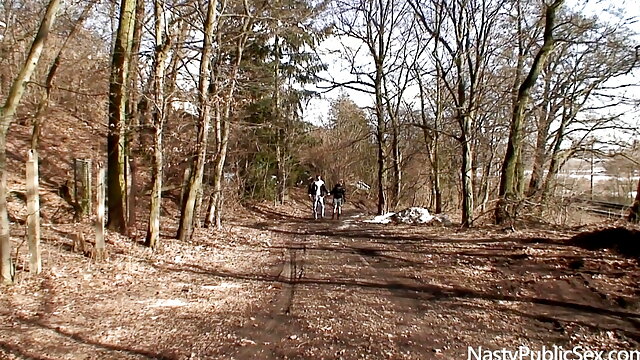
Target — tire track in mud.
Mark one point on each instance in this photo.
(266, 331)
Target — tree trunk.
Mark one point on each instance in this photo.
(280, 172)
(539, 158)
(484, 184)
(465, 121)
(116, 137)
(554, 165)
(82, 186)
(432, 141)
(508, 179)
(153, 232)
(437, 189)
(162, 47)
(382, 203)
(222, 125)
(185, 229)
(222, 128)
(7, 114)
(466, 124)
(396, 161)
(134, 98)
(7, 270)
(134, 116)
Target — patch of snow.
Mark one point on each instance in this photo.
(381, 219)
(412, 215)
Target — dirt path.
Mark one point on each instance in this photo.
(369, 291)
(283, 286)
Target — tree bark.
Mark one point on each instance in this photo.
(432, 140)
(280, 171)
(556, 161)
(380, 131)
(222, 126)
(508, 180)
(540, 153)
(7, 114)
(162, 47)
(185, 229)
(466, 124)
(134, 122)
(465, 121)
(396, 160)
(116, 137)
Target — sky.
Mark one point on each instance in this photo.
(317, 110)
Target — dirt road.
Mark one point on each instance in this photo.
(289, 287)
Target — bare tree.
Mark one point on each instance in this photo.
(222, 120)
(583, 93)
(7, 114)
(374, 25)
(162, 46)
(463, 31)
(118, 97)
(508, 179)
(185, 229)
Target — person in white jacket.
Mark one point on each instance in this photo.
(317, 192)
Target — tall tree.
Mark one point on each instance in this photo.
(463, 31)
(583, 92)
(116, 137)
(185, 230)
(395, 85)
(245, 20)
(508, 180)
(134, 117)
(7, 115)
(162, 44)
(374, 25)
(295, 65)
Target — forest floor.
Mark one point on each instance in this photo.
(275, 284)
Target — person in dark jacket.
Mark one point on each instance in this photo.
(339, 197)
(317, 191)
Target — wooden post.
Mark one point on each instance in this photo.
(33, 213)
(100, 211)
(86, 175)
(82, 185)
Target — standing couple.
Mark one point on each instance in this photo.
(317, 192)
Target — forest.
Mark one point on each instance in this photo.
(166, 129)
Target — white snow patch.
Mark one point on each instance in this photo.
(381, 219)
(412, 215)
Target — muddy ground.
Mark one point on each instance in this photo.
(275, 284)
